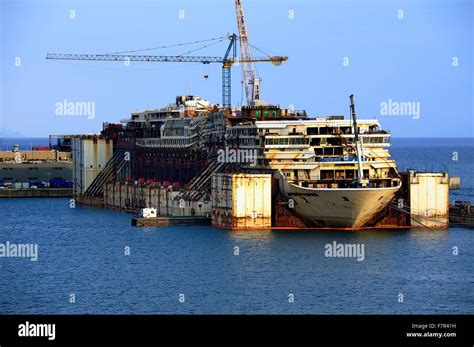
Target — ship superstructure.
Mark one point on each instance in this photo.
(321, 153)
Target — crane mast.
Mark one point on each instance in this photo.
(250, 79)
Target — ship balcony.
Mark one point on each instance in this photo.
(341, 183)
(287, 146)
(379, 131)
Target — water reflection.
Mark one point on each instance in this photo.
(246, 235)
(429, 234)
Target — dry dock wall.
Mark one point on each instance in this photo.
(90, 156)
(167, 202)
(241, 201)
(454, 183)
(428, 196)
(36, 193)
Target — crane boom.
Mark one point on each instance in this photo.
(162, 58)
(250, 79)
(143, 58)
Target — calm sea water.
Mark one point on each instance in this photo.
(81, 252)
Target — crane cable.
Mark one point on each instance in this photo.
(258, 49)
(169, 46)
(197, 49)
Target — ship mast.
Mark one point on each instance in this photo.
(358, 144)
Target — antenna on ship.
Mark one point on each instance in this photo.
(358, 143)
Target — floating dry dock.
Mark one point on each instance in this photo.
(239, 196)
(244, 200)
(252, 201)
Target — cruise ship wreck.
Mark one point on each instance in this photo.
(331, 171)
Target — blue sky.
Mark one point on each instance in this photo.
(407, 59)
